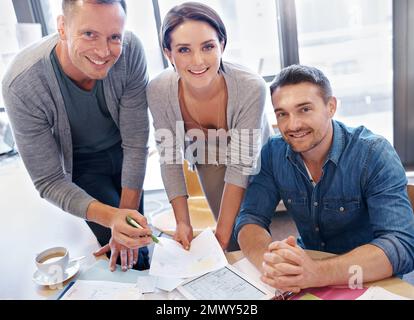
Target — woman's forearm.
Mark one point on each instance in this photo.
(181, 212)
(229, 209)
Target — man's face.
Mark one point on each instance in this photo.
(92, 35)
(303, 118)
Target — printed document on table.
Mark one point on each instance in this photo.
(148, 284)
(249, 269)
(102, 290)
(171, 260)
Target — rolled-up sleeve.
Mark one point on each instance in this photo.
(390, 211)
(262, 195)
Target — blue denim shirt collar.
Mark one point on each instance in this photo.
(338, 146)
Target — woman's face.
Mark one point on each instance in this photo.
(196, 53)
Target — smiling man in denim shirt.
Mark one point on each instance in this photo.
(344, 187)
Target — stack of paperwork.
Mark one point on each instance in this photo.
(171, 265)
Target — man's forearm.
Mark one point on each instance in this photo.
(369, 261)
(100, 213)
(130, 199)
(254, 242)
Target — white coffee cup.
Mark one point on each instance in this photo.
(53, 261)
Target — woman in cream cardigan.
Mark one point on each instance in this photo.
(209, 112)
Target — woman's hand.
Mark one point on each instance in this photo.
(184, 234)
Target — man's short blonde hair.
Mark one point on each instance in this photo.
(67, 5)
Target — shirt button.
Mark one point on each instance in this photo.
(342, 209)
(315, 204)
(323, 244)
(317, 229)
(289, 200)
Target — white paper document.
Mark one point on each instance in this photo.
(228, 283)
(102, 290)
(172, 261)
(149, 284)
(168, 284)
(250, 270)
(378, 293)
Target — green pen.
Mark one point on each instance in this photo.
(135, 224)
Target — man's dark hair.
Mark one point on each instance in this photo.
(296, 74)
(192, 11)
(68, 4)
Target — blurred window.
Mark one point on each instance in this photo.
(251, 31)
(8, 38)
(351, 42)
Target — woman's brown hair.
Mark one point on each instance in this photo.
(192, 11)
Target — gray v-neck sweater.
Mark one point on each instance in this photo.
(36, 109)
(245, 110)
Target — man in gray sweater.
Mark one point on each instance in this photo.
(78, 110)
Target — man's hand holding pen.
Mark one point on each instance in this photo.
(126, 239)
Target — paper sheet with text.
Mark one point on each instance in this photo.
(171, 260)
(102, 290)
(249, 269)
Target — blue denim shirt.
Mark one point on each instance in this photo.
(360, 199)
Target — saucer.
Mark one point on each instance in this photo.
(43, 280)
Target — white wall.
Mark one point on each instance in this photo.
(7, 15)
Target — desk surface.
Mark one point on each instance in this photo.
(30, 225)
(394, 285)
